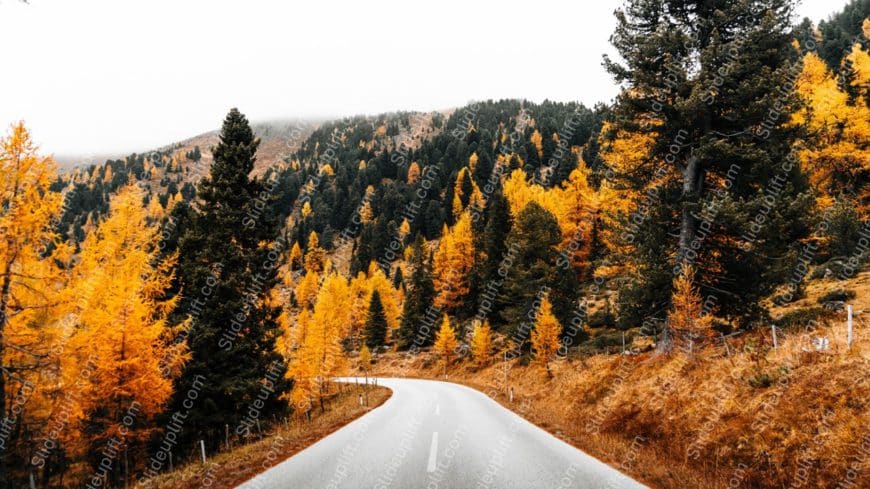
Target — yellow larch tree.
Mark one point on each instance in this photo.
(413, 173)
(575, 205)
(315, 256)
(687, 319)
(538, 140)
(365, 358)
(359, 303)
(122, 327)
(545, 336)
(295, 258)
(453, 262)
(481, 343)
(377, 280)
(858, 61)
(300, 329)
(404, 229)
(626, 152)
(472, 161)
(446, 342)
(518, 191)
(29, 303)
(456, 205)
(306, 289)
(837, 155)
(366, 214)
(89, 226)
(155, 210)
(458, 193)
(320, 357)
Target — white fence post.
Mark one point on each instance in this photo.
(849, 325)
(202, 449)
(773, 330)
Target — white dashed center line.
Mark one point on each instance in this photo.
(433, 453)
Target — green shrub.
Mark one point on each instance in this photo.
(801, 317)
(836, 295)
(602, 319)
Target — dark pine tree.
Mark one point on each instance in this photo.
(414, 330)
(710, 84)
(488, 282)
(535, 271)
(398, 279)
(376, 323)
(225, 275)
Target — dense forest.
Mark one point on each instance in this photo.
(150, 303)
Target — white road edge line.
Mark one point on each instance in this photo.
(433, 452)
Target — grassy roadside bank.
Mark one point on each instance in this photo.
(750, 417)
(229, 469)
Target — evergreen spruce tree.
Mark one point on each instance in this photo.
(398, 279)
(535, 272)
(419, 296)
(225, 274)
(710, 83)
(492, 242)
(376, 322)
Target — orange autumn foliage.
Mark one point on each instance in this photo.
(545, 336)
(122, 327)
(837, 153)
(31, 288)
(446, 342)
(687, 319)
(453, 262)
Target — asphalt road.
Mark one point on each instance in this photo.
(434, 435)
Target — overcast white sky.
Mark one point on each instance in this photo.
(103, 76)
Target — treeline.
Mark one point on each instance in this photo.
(140, 316)
(87, 191)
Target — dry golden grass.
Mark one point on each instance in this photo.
(754, 418)
(229, 469)
(860, 284)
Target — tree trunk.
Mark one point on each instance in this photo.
(693, 177)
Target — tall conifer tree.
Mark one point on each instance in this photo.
(376, 323)
(226, 274)
(710, 85)
(419, 297)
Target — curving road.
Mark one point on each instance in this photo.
(434, 435)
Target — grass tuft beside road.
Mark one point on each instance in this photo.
(229, 469)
